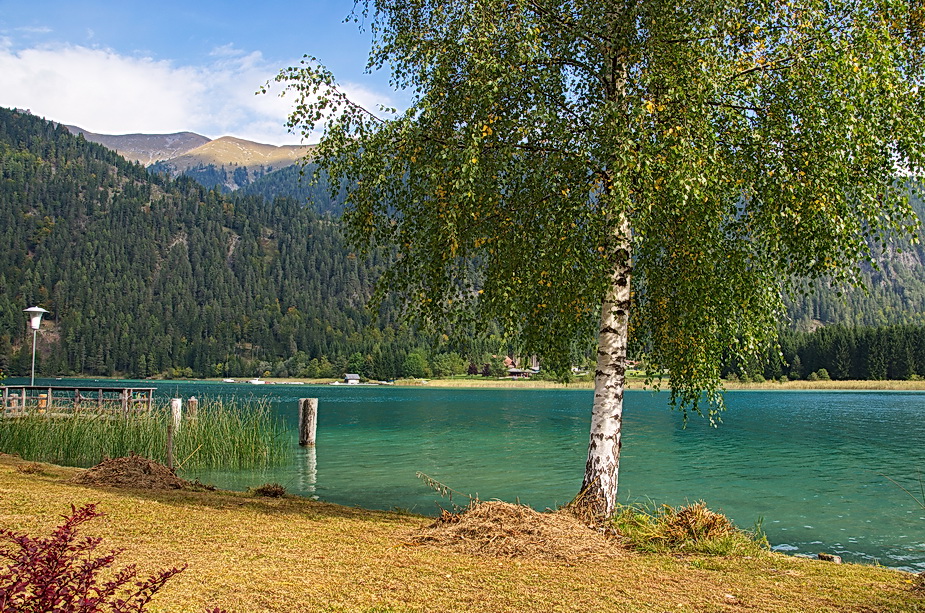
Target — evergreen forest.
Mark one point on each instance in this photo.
(148, 276)
(145, 276)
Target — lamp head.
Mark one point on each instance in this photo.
(35, 315)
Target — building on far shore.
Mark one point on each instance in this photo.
(351, 379)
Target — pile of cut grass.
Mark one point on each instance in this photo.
(226, 434)
(506, 530)
(134, 472)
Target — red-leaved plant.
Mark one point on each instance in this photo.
(59, 574)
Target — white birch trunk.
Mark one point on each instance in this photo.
(599, 489)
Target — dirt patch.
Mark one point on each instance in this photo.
(501, 529)
(134, 472)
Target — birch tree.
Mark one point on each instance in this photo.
(654, 171)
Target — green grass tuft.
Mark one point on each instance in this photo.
(687, 529)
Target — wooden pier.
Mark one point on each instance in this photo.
(21, 400)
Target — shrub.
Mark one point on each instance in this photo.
(60, 573)
(823, 375)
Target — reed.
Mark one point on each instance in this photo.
(226, 434)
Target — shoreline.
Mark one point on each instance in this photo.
(639, 384)
(632, 383)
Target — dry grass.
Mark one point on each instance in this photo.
(289, 554)
(696, 521)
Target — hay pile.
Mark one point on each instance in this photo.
(501, 529)
(134, 471)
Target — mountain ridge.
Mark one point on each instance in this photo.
(233, 151)
(205, 159)
(145, 148)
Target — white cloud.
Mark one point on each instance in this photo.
(110, 93)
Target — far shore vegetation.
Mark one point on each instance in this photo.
(635, 381)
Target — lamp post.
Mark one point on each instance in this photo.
(35, 321)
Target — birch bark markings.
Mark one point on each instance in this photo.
(599, 489)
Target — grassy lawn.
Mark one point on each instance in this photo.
(291, 554)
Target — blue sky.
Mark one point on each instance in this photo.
(170, 66)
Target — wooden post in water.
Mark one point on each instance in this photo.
(308, 421)
(176, 412)
(192, 408)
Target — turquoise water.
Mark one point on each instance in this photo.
(812, 465)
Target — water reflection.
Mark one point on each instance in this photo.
(307, 470)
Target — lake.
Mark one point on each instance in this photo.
(812, 465)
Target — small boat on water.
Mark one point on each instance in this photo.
(227, 380)
(257, 381)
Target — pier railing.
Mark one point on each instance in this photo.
(20, 400)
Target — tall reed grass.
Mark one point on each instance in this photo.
(226, 434)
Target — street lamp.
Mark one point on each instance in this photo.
(35, 320)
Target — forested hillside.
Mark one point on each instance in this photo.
(226, 179)
(144, 275)
(893, 294)
(296, 182)
(293, 182)
(148, 276)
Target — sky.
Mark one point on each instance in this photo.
(126, 67)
